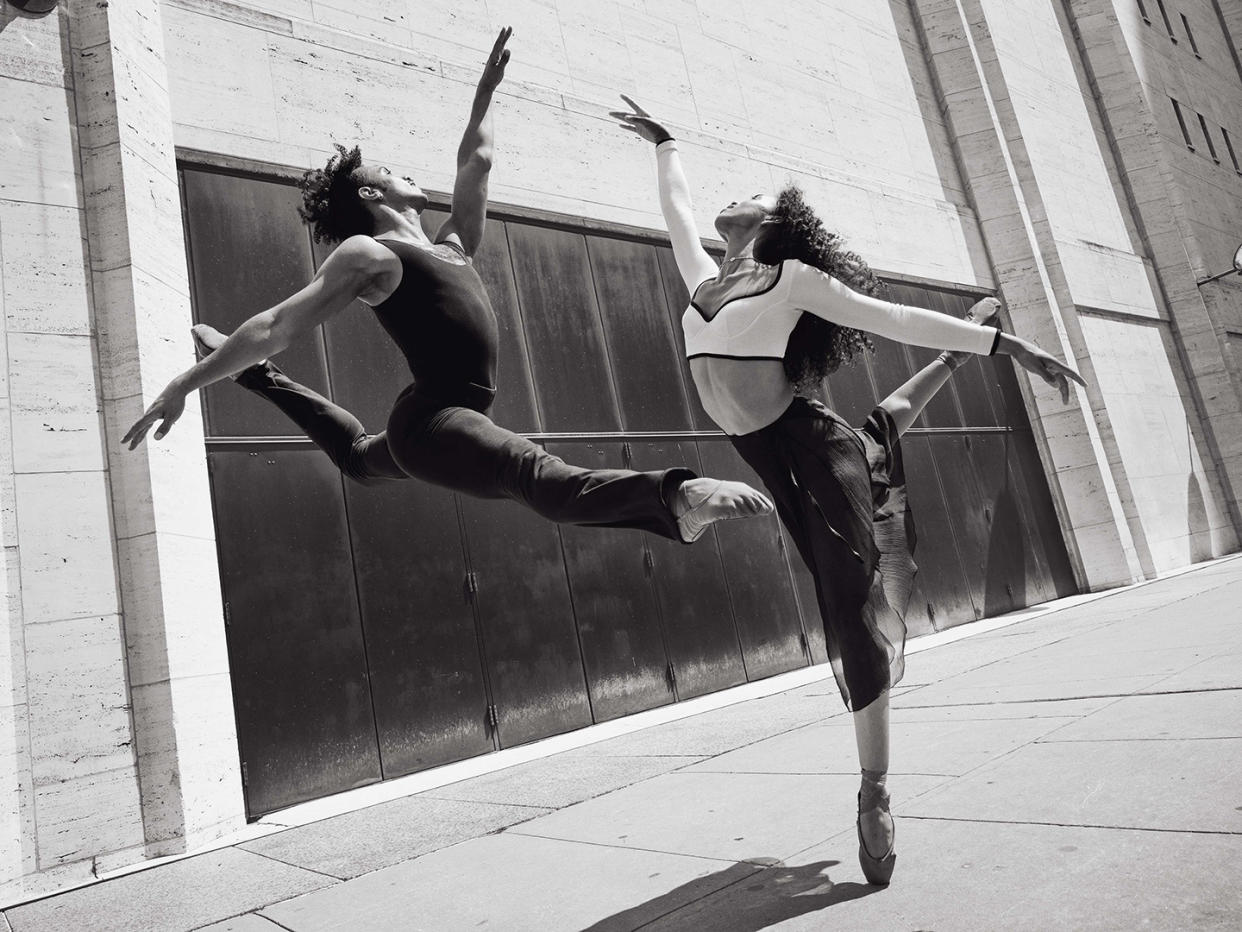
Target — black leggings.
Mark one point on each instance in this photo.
(456, 445)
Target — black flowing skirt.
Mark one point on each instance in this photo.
(840, 492)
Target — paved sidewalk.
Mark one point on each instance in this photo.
(1079, 770)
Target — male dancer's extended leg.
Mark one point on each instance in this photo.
(464, 450)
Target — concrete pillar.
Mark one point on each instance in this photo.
(1005, 198)
(180, 691)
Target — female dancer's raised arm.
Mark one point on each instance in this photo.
(693, 262)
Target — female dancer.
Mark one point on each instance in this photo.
(431, 301)
(777, 314)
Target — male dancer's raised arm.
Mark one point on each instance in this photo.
(474, 157)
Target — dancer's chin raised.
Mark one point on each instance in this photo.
(699, 503)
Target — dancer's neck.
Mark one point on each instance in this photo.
(404, 225)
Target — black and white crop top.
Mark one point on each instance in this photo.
(749, 311)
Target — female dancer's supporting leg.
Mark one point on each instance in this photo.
(871, 724)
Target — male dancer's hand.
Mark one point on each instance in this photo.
(494, 70)
(167, 408)
(638, 121)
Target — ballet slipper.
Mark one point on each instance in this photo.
(699, 503)
(208, 339)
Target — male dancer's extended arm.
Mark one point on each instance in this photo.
(474, 157)
(693, 261)
(344, 276)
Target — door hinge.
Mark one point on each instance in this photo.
(648, 562)
(245, 775)
(627, 454)
(228, 614)
(806, 644)
(931, 614)
(492, 718)
(471, 585)
(672, 676)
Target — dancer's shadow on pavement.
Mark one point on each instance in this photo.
(739, 899)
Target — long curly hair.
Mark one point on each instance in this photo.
(816, 347)
(330, 202)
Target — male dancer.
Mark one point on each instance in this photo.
(431, 301)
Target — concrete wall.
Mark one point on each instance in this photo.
(1027, 147)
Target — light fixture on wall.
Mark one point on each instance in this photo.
(1237, 268)
(35, 6)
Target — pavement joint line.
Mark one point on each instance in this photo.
(1106, 740)
(1110, 828)
(601, 844)
(991, 702)
(431, 794)
(413, 784)
(279, 925)
(301, 867)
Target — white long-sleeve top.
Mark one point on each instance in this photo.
(740, 317)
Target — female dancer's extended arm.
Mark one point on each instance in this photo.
(819, 293)
(907, 402)
(346, 275)
(693, 261)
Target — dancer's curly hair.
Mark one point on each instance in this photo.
(816, 347)
(330, 202)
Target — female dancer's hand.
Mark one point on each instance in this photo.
(1047, 367)
(494, 70)
(637, 120)
(167, 408)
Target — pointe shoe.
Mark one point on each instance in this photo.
(700, 503)
(207, 340)
(878, 871)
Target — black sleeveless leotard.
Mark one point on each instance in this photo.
(443, 323)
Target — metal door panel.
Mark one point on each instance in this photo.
(978, 397)
(526, 620)
(851, 392)
(760, 587)
(677, 300)
(942, 410)
(699, 631)
(248, 251)
(515, 406)
(645, 358)
(614, 604)
(1057, 574)
(941, 597)
(296, 650)
(808, 599)
(426, 672)
(573, 380)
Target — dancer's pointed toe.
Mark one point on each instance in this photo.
(700, 503)
(877, 870)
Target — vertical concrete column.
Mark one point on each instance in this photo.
(170, 593)
(1073, 445)
(1152, 184)
(67, 769)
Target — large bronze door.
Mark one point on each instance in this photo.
(382, 629)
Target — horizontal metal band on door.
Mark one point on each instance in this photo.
(302, 443)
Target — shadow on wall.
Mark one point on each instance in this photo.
(745, 897)
(1197, 525)
(1005, 571)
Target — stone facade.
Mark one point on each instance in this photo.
(1028, 147)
